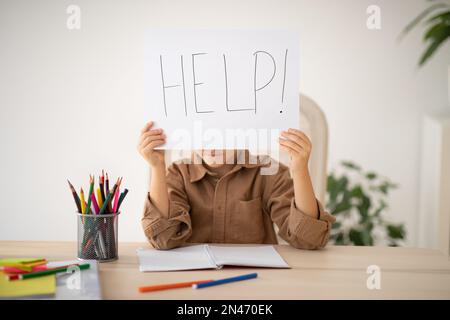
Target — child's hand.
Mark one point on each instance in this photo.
(298, 145)
(149, 140)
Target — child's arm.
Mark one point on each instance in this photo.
(299, 146)
(166, 221)
(149, 140)
(290, 200)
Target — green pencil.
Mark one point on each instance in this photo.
(105, 204)
(91, 189)
(52, 271)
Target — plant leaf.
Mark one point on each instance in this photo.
(336, 225)
(367, 238)
(351, 165)
(420, 17)
(443, 16)
(356, 237)
(436, 43)
(395, 231)
(436, 31)
(371, 175)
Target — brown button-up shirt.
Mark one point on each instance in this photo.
(239, 207)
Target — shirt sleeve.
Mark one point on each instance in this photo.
(166, 232)
(296, 227)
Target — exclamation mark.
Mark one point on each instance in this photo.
(284, 78)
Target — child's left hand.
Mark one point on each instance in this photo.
(298, 145)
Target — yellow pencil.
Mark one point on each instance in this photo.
(99, 198)
(83, 204)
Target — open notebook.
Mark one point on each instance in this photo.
(209, 257)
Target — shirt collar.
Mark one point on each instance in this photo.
(198, 170)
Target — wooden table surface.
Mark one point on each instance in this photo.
(337, 272)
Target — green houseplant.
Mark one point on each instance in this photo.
(437, 20)
(358, 200)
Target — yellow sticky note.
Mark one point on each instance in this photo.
(41, 286)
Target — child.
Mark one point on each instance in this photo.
(231, 203)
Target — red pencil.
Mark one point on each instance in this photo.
(171, 286)
(13, 277)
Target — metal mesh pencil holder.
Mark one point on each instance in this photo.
(97, 236)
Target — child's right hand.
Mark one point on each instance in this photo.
(149, 140)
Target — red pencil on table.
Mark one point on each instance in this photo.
(12, 277)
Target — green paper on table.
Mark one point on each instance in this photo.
(42, 286)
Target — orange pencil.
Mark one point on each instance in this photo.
(159, 287)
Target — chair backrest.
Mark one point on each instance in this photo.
(315, 125)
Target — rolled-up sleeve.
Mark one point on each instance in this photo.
(296, 227)
(166, 232)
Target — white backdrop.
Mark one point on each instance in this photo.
(71, 102)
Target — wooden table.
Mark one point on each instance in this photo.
(337, 272)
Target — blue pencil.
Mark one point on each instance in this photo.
(223, 281)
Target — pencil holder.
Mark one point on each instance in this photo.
(97, 236)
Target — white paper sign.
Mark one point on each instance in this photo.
(222, 89)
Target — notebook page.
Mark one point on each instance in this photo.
(184, 258)
(252, 256)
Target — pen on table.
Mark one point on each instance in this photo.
(50, 271)
(226, 280)
(14, 270)
(122, 196)
(25, 266)
(75, 196)
(166, 286)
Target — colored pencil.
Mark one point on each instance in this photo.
(167, 286)
(116, 200)
(91, 189)
(106, 185)
(25, 266)
(226, 280)
(102, 186)
(99, 197)
(116, 185)
(83, 203)
(52, 271)
(94, 203)
(122, 196)
(105, 204)
(15, 270)
(75, 196)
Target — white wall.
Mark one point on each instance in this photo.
(72, 101)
